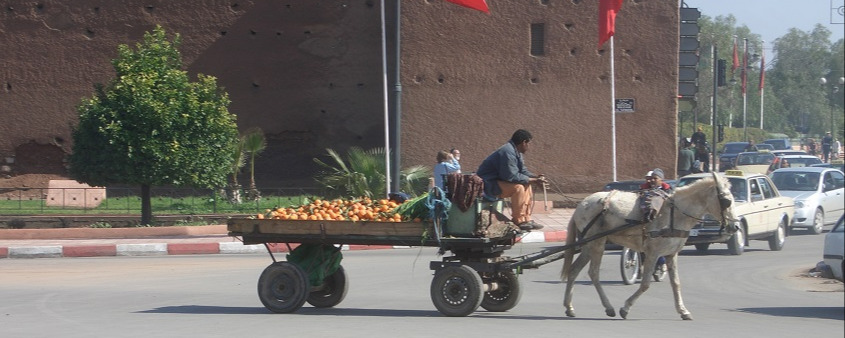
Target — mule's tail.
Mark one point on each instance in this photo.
(571, 236)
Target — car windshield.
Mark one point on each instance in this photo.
(755, 158)
(739, 188)
(796, 180)
(765, 146)
(798, 162)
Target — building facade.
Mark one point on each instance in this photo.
(309, 74)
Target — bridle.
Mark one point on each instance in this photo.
(724, 203)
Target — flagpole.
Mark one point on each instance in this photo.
(386, 111)
(613, 107)
(744, 92)
(762, 76)
(733, 72)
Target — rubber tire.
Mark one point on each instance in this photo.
(818, 222)
(702, 247)
(736, 244)
(333, 292)
(630, 266)
(283, 287)
(777, 239)
(508, 294)
(457, 291)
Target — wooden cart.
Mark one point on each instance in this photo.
(472, 275)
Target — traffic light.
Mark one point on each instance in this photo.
(688, 56)
(721, 69)
(721, 132)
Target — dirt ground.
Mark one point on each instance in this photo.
(34, 185)
(803, 280)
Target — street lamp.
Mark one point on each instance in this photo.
(834, 88)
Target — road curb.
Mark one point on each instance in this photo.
(229, 247)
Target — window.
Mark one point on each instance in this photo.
(538, 39)
(768, 192)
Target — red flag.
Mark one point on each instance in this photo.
(480, 5)
(735, 64)
(762, 69)
(607, 18)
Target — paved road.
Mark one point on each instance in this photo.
(753, 295)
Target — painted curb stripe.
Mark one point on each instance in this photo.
(89, 250)
(154, 249)
(151, 249)
(193, 248)
(52, 251)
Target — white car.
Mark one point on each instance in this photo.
(819, 195)
(834, 247)
(761, 211)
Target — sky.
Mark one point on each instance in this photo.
(772, 19)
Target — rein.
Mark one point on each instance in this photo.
(672, 232)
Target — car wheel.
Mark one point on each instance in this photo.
(818, 222)
(779, 237)
(736, 244)
(702, 247)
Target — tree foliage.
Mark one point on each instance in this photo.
(362, 173)
(793, 99)
(152, 126)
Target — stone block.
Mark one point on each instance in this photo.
(70, 193)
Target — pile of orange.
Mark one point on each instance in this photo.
(362, 209)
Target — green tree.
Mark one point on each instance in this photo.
(253, 143)
(151, 126)
(803, 58)
(362, 174)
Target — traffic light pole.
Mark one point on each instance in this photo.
(716, 75)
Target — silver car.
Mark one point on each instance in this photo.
(833, 249)
(818, 194)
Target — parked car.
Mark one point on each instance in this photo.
(755, 162)
(797, 161)
(834, 242)
(788, 152)
(761, 212)
(779, 143)
(834, 164)
(818, 193)
(764, 147)
(729, 153)
(631, 185)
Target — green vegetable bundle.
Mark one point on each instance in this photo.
(415, 208)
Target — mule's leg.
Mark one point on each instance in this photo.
(649, 262)
(675, 281)
(596, 250)
(577, 265)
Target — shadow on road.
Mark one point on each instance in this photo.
(802, 312)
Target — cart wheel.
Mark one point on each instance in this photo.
(629, 266)
(283, 287)
(332, 292)
(506, 296)
(456, 291)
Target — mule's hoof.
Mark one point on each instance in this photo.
(570, 313)
(610, 313)
(623, 313)
(686, 316)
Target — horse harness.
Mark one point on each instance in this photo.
(669, 232)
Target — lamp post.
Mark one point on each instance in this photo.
(834, 88)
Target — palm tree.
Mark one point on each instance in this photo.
(362, 174)
(253, 143)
